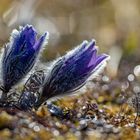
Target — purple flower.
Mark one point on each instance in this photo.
(73, 70)
(20, 55)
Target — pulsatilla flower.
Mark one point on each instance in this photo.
(20, 55)
(70, 72)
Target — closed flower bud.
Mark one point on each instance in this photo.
(70, 72)
(20, 55)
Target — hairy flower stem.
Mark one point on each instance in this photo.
(3, 97)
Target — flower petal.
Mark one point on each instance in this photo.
(26, 38)
(30, 36)
(43, 40)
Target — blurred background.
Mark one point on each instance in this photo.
(115, 24)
